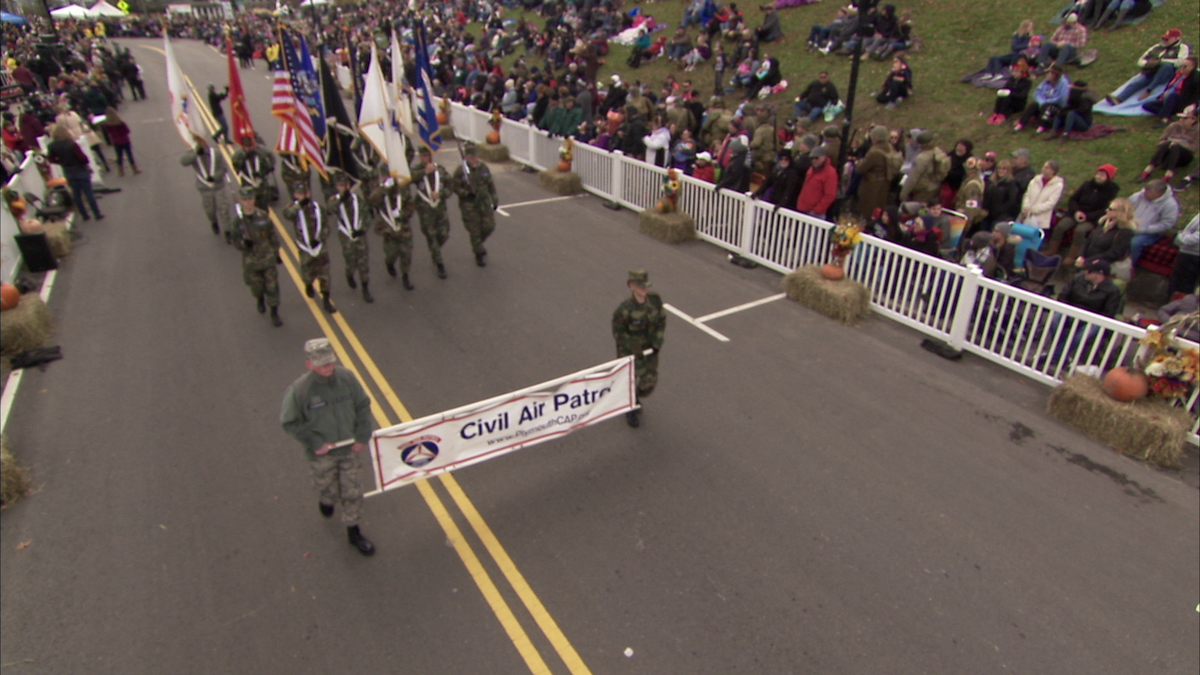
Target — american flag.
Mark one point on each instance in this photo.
(296, 135)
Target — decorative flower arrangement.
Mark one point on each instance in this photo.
(844, 237)
(1170, 371)
(566, 151)
(16, 204)
(670, 188)
(495, 120)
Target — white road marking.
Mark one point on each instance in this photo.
(695, 323)
(541, 201)
(14, 378)
(734, 310)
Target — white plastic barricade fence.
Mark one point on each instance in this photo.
(1028, 333)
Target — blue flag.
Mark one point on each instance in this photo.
(305, 82)
(427, 124)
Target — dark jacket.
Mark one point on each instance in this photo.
(1002, 200)
(1103, 298)
(783, 185)
(819, 95)
(1093, 199)
(1111, 245)
(68, 155)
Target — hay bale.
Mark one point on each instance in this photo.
(26, 326)
(1148, 429)
(845, 300)
(59, 238)
(561, 182)
(447, 132)
(13, 483)
(674, 228)
(493, 152)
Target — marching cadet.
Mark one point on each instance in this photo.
(477, 200)
(294, 170)
(351, 215)
(638, 325)
(259, 244)
(308, 219)
(210, 183)
(393, 210)
(253, 165)
(433, 189)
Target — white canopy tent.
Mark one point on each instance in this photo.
(102, 8)
(70, 12)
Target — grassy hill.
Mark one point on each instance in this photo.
(956, 38)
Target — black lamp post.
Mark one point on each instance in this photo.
(865, 30)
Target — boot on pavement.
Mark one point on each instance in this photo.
(275, 320)
(308, 290)
(328, 305)
(441, 271)
(407, 284)
(358, 541)
(262, 305)
(391, 270)
(367, 297)
(350, 281)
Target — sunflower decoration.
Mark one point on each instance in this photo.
(495, 120)
(16, 204)
(1170, 371)
(670, 188)
(844, 237)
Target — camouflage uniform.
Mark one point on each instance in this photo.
(312, 232)
(393, 210)
(210, 183)
(638, 327)
(259, 244)
(477, 202)
(289, 169)
(352, 214)
(254, 168)
(433, 189)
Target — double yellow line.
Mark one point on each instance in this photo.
(512, 626)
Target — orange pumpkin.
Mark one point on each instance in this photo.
(1125, 385)
(833, 272)
(9, 297)
(564, 166)
(442, 118)
(493, 137)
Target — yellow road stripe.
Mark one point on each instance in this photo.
(482, 579)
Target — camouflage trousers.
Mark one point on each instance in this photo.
(315, 269)
(397, 245)
(479, 227)
(263, 281)
(216, 206)
(339, 483)
(436, 228)
(646, 369)
(354, 255)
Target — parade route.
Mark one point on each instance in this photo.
(802, 497)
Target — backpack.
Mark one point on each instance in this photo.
(941, 166)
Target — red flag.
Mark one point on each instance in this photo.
(242, 128)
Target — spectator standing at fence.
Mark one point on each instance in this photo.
(820, 185)
(1087, 204)
(65, 152)
(877, 170)
(929, 169)
(1042, 195)
(1001, 197)
(1156, 211)
(782, 186)
(324, 407)
(638, 326)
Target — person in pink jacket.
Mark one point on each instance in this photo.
(1042, 196)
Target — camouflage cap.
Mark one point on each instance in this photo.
(247, 192)
(367, 173)
(319, 352)
(424, 151)
(300, 185)
(470, 150)
(639, 278)
(340, 177)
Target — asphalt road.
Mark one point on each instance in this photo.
(805, 498)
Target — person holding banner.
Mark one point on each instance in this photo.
(433, 189)
(329, 413)
(477, 200)
(638, 325)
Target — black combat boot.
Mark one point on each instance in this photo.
(216, 227)
(228, 237)
(326, 509)
(479, 259)
(350, 281)
(275, 320)
(391, 270)
(441, 271)
(367, 293)
(360, 542)
(308, 290)
(407, 284)
(634, 418)
(262, 305)
(328, 305)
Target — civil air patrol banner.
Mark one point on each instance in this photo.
(471, 434)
